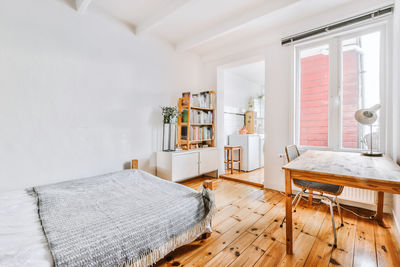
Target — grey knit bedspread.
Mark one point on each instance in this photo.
(120, 219)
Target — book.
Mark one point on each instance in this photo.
(185, 114)
(185, 94)
(205, 99)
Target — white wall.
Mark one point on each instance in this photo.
(396, 95)
(277, 112)
(237, 94)
(80, 95)
(238, 90)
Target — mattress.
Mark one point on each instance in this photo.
(22, 242)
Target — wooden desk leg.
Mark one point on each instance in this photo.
(379, 211)
(310, 197)
(289, 232)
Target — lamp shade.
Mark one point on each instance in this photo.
(367, 116)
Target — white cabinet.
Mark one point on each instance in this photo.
(184, 165)
(208, 161)
(180, 165)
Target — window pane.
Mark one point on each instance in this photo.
(360, 85)
(314, 96)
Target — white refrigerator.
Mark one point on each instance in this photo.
(251, 152)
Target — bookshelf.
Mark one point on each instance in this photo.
(196, 121)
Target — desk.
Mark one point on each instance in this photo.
(341, 168)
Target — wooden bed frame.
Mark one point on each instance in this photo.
(206, 184)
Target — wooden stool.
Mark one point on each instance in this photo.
(228, 155)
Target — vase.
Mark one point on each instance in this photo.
(172, 136)
(169, 136)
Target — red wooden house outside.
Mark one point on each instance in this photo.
(314, 100)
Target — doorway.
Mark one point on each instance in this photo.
(243, 122)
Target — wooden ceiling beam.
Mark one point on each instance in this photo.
(234, 24)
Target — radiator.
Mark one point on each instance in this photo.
(358, 195)
(355, 195)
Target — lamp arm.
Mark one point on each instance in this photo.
(375, 108)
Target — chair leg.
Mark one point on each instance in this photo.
(298, 201)
(294, 200)
(339, 211)
(333, 224)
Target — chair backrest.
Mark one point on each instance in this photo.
(291, 152)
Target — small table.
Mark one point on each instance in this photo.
(228, 151)
(341, 168)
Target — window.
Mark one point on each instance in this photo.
(314, 96)
(335, 78)
(360, 85)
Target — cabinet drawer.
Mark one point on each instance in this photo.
(185, 166)
(208, 160)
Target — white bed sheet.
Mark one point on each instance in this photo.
(22, 242)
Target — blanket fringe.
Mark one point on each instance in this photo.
(180, 240)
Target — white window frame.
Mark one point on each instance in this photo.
(335, 71)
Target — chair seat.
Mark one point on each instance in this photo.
(329, 188)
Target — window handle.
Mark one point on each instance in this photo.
(337, 100)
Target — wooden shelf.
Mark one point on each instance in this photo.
(199, 108)
(200, 124)
(197, 141)
(200, 141)
(196, 124)
(184, 103)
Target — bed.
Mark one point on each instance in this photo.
(126, 218)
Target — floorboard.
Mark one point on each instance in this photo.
(247, 232)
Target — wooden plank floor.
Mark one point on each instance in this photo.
(247, 233)
(255, 177)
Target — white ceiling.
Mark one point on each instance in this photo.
(128, 11)
(254, 72)
(206, 26)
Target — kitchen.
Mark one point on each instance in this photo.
(244, 103)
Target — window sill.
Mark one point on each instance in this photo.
(304, 148)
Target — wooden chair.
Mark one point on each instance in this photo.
(309, 187)
(229, 160)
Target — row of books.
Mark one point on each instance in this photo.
(204, 100)
(197, 133)
(200, 133)
(201, 116)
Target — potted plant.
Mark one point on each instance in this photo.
(170, 115)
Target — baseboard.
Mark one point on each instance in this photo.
(386, 208)
(241, 181)
(277, 187)
(213, 174)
